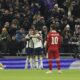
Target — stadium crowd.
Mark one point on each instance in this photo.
(17, 17)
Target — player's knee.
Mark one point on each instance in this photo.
(58, 59)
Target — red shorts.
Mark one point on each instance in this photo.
(53, 54)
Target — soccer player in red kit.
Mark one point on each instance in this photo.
(53, 45)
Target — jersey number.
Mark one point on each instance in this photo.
(54, 40)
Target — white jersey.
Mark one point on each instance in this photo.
(37, 42)
(29, 42)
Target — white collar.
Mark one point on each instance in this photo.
(53, 31)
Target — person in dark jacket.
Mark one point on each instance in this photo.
(20, 39)
(4, 40)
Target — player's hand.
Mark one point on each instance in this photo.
(47, 55)
(45, 44)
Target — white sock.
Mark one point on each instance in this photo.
(26, 63)
(36, 62)
(31, 63)
(41, 63)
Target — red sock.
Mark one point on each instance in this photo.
(50, 65)
(58, 64)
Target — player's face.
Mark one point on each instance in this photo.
(31, 32)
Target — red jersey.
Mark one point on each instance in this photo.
(54, 41)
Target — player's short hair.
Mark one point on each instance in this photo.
(53, 26)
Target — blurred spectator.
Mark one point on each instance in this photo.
(38, 13)
(66, 38)
(44, 33)
(35, 8)
(26, 23)
(74, 41)
(44, 37)
(13, 47)
(64, 22)
(6, 16)
(20, 38)
(76, 9)
(7, 26)
(4, 40)
(38, 21)
(13, 28)
(71, 22)
(57, 11)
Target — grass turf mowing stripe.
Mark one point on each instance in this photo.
(39, 75)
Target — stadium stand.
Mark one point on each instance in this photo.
(17, 15)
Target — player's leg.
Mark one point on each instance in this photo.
(36, 62)
(41, 62)
(26, 63)
(27, 59)
(36, 58)
(57, 56)
(40, 57)
(50, 57)
(31, 58)
(29, 52)
(31, 62)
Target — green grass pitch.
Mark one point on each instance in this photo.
(39, 75)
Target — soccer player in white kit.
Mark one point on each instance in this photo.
(37, 40)
(29, 49)
(34, 49)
